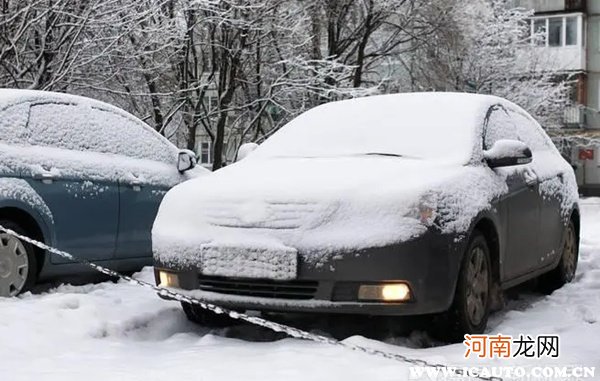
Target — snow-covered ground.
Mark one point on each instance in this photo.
(119, 331)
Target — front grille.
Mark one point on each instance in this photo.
(345, 291)
(296, 289)
(265, 215)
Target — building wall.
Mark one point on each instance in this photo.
(593, 6)
(549, 6)
(541, 6)
(593, 65)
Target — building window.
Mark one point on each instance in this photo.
(571, 31)
(213, 103)
(205, 153)
(539, 30)
(556, 31)
(555, 25)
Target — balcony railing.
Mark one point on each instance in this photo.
(574, 116)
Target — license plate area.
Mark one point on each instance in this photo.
(244, 262)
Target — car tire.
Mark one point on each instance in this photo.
(206, 318)
(470, 308)
(18, 262)
(567, 266)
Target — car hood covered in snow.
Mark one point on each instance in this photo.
(317, 205)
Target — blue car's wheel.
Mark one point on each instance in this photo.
(18, 264)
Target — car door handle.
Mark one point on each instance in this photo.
(531, 178)
(136, 185)
(531, 181)
(44, 177)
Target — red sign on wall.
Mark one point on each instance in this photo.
(586, 154)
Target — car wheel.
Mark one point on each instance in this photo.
(201, 316)
(470, 309)
(565, 271)
(18, 263)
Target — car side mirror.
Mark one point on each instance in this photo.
(245, 150)
(186, 160)
(506, 153)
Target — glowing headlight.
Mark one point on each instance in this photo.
(392, 292)
(168, 279)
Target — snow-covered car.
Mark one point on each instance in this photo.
(404, 204)
(82, 176)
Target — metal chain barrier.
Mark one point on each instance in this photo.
(277, 327)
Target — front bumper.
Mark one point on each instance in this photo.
(429, 264)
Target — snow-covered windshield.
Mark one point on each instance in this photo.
(435, 126)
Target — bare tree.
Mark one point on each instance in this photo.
(486, 47)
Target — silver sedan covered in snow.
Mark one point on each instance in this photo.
(425, 203)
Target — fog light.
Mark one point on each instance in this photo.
(394, 292)
(168, 279)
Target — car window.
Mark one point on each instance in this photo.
(13, 120)
(530, 132)
(439, 127)
(85, 128)
(498, 125)
(132, 138)
(57, 125)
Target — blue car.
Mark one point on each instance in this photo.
(82, 176)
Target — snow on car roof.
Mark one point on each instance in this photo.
(9, 97)
(95, 121)
(431, 125)
(98, 141)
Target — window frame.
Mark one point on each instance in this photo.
(495, 108)
(205, 150)
(561, 31)
(545, 19)
(566, 23)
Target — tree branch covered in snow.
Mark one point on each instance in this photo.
(234, 71)
(486, 47)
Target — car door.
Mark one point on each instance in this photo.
(140, 193)
(148, 162)
(13, 124)
(79, 190)
(521, 202)
(551, 178)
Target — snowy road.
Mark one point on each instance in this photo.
(119, 331)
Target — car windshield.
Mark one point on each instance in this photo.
(432, 126)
